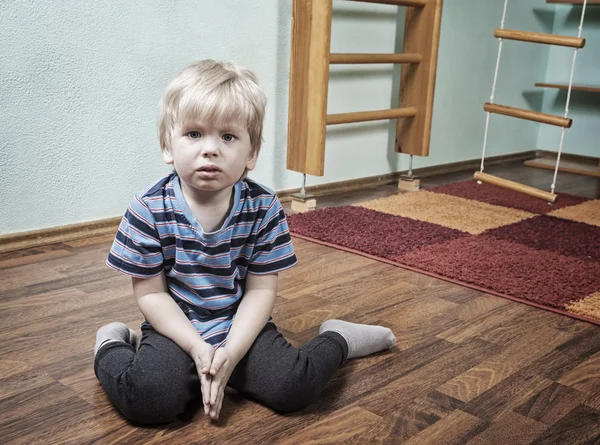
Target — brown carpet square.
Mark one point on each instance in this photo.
(588, 306)
(587, 212)
(473, 217)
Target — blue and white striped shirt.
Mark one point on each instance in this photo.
(205, 272)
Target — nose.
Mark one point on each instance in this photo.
(209, 149)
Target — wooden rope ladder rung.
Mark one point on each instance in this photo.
(344, 58)
(364, 116)
(517, 187)
(536, 37)
(535, 116)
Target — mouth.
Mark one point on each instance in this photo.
(209, 172)
(210, 168)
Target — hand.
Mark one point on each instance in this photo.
(202, 353)
(223, 364)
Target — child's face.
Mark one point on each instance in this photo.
(210, 156)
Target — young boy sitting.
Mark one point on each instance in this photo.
(203, 246)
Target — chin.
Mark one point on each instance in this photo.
(212, 186)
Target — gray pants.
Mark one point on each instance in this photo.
(159, 382)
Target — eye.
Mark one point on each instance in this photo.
(229, 137)
(194, 134)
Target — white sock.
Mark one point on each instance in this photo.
(362, 339)
(114, 331)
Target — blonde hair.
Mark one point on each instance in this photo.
(212, 91)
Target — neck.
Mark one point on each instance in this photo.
(207, 199)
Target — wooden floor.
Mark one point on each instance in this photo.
(469, 368)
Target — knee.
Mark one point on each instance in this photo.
(293, 396)
(154, 402)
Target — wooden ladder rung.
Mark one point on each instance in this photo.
(340, 58)
(413, 3)
(536, 37)
(529, 115)
(517, 187)
(364, 116)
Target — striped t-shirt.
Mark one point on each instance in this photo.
(205, 272)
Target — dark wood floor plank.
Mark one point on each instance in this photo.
(18, 377)
(511, 359)
(569, 355)
(579, 427)
(348, 424)
(510, 429)
(14, 259)
(455, 428)
(22, 276)
(551, 404)
(480, 324)
(585, 377)
(314, 318)
(427, 377)
(361, 377)
(506, 395)
(421, 413)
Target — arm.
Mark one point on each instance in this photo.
(252, 315)
(167, 318)
(163, 313)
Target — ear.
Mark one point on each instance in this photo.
(251, 163)
(167, 156)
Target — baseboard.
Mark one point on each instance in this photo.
(61, 234)
(72, 232)
(391, 178)
(568, 156)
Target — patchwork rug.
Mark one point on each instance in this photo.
(481, 236)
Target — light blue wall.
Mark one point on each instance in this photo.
(583, 137)
(80, 83)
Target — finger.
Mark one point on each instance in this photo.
(220, 403)
(218, 361)
(205, 386)
(215, 388)
(216, 407)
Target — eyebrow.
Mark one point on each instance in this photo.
(225, 127)
(232, 127)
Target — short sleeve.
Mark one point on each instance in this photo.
(136, 250)
(273, 250)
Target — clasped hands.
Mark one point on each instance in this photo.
(214, 369)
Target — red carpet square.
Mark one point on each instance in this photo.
(369, 231)
(554, 234)
(510, 268)
(492, 194)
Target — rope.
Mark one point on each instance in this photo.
(487, 119)
(562, 133)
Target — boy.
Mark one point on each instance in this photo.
(204, 246)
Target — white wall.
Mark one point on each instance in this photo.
(80, 83)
